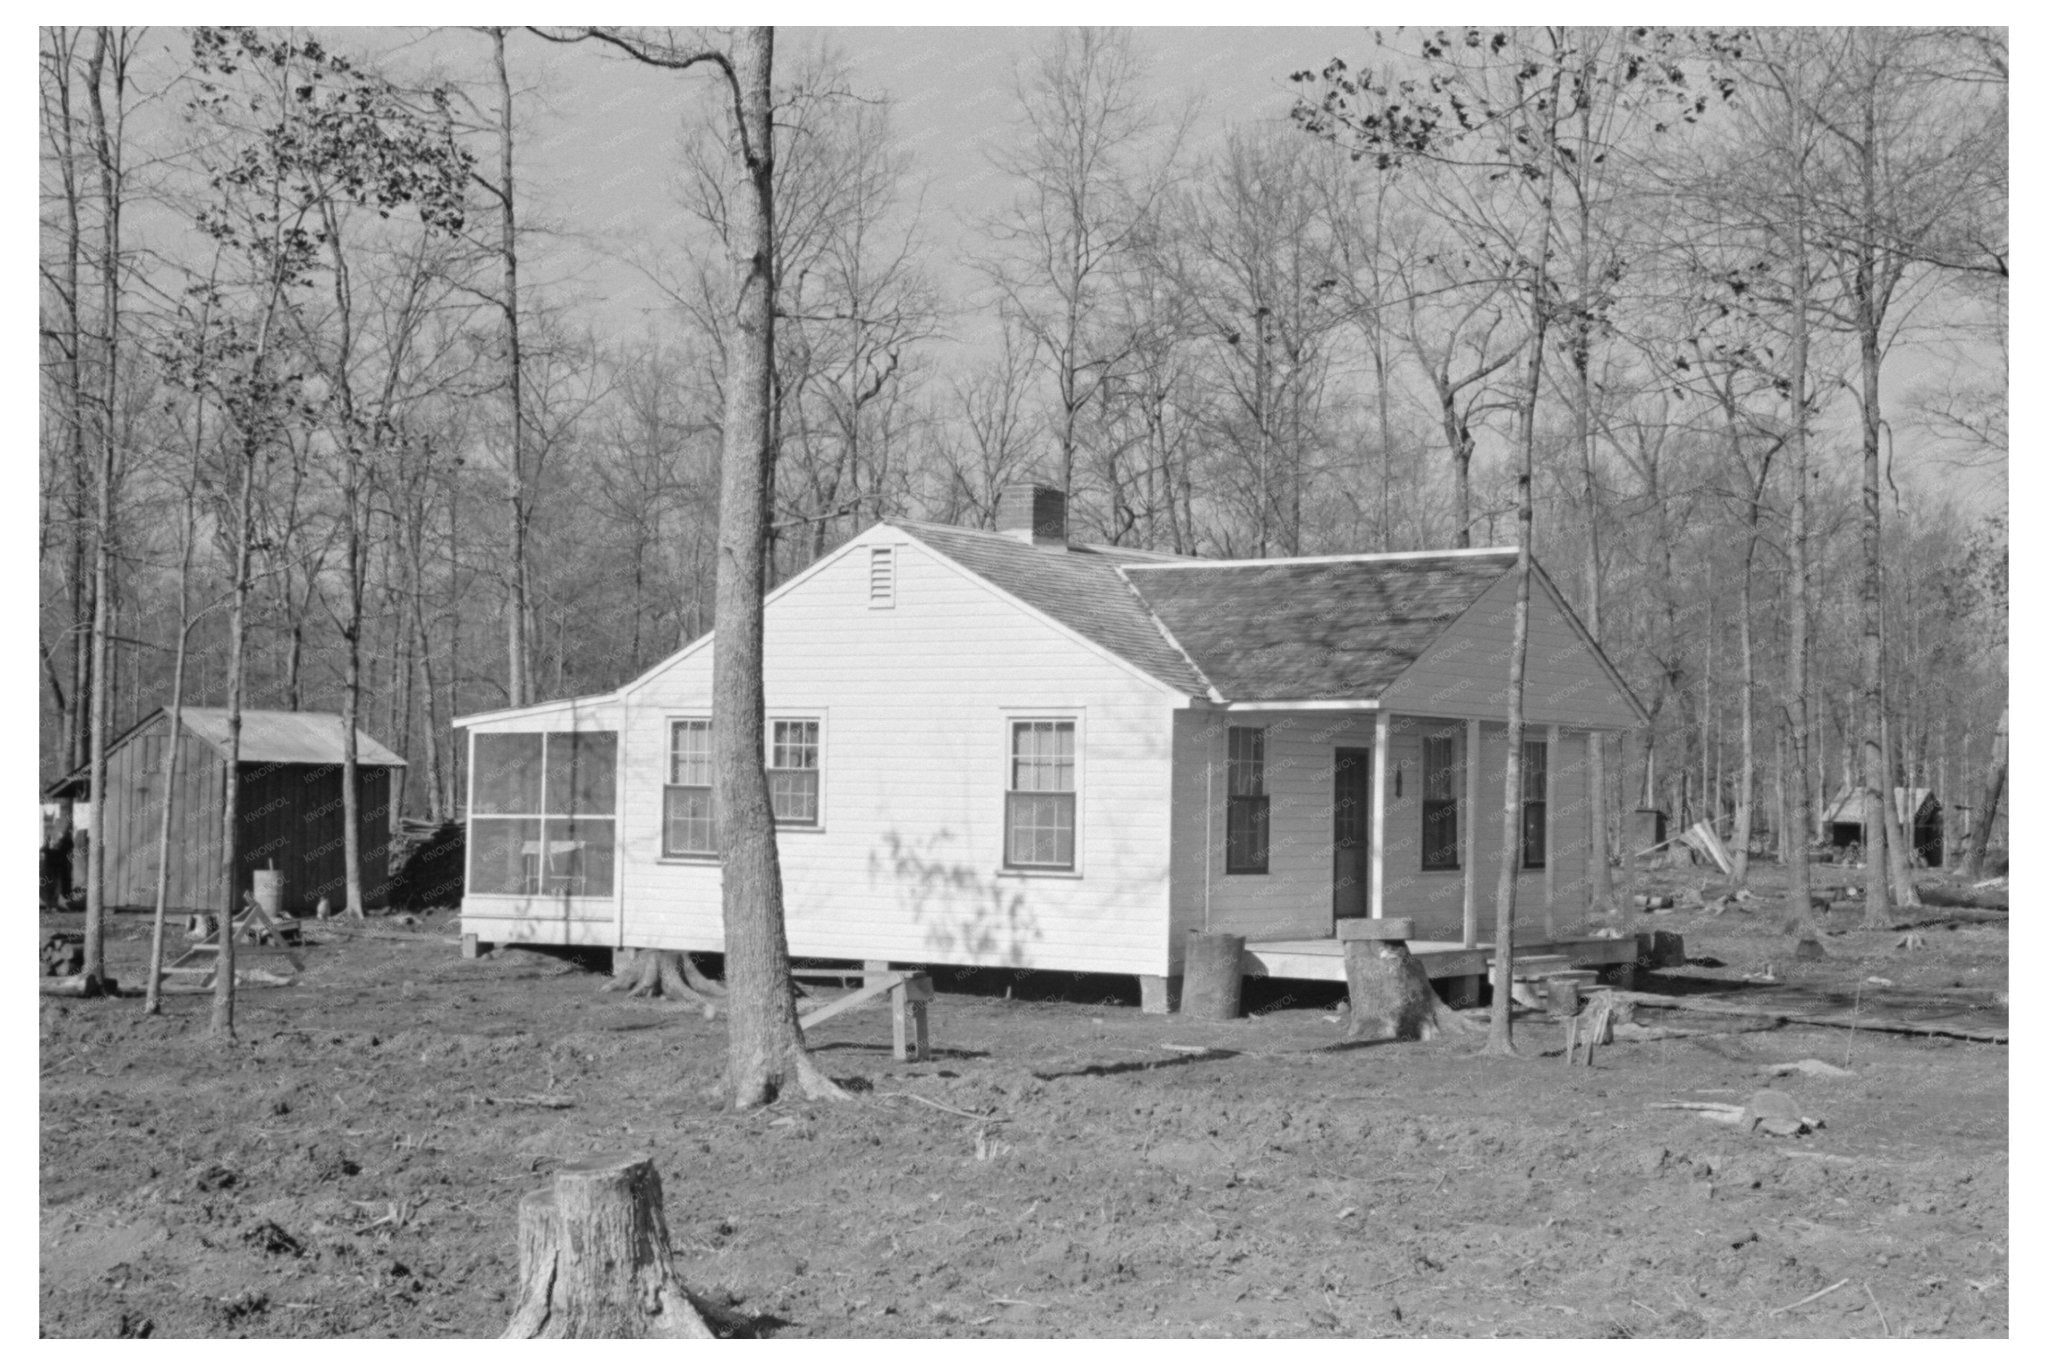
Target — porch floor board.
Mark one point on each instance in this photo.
(1322, 959)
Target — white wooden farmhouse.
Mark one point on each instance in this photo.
(998, 748)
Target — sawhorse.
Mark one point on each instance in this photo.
(909, 992)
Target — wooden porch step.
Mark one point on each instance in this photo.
(1535, 968)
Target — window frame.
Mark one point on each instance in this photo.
(1440, 806)
(1536, 852)
(1012, 719)
(816, 719)
(1256, 833)
(671, 724)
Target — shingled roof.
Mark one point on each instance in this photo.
(1333, 629)
(1314, 630)
(1079, 587)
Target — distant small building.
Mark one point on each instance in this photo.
(1917, 809)
(290, 801)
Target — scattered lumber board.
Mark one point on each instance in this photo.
(1867, 1023)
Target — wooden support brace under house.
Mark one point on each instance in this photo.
(909, 992)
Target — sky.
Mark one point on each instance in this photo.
(597, 158)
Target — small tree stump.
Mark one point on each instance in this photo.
(657, 974)
(1391, 998)
(1213, 984)
(594, 1257)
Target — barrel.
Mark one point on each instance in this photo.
(268, 885)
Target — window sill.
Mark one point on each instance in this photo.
(689, 860)
(1035, 873)
(781, 829)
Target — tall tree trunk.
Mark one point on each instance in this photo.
(1745, 792)
(153, 991)
(1500, 1022)
(765, 1045)
(1986, 814)
(352, 701)
(222, 1024)
(1795, 843)
(104, 64)
(518, 589)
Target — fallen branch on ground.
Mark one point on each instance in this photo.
(1863, 1022)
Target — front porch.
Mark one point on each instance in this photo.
(1322, 959)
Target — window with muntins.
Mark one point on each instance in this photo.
(1038, 824)
(793, 771)
(689, 820)
(1442, 781)
(543, 813)
(1535, 802)
(1248, 817)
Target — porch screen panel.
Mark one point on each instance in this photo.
(505, 779)
(500, 859)
(582, 773)
(1040, 804)
(542, 819)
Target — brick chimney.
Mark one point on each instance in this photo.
(1033, 513)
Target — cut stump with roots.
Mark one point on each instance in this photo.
(1391, 998)
(653, 973)
(594, 1258)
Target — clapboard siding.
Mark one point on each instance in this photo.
(914, 700)
(1292, 898)
(1465, 672)
(1436, 900)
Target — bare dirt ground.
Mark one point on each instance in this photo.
(352, 1165)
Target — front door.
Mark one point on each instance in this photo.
(1351, 834)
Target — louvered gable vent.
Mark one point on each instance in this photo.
(881, 576)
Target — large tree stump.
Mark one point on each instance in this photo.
(1391, 998)
(594, 1257)
(1212, 986)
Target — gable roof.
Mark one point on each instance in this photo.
(1080, 588)
(1314, 629)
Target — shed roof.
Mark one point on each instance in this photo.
(1316, 629)
(267, 737)
(286, 737)
(1847, 809)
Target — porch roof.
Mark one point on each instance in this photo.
(1314, 630)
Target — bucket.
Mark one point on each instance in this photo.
(268, 885)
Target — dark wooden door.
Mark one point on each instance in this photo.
(1351, 834)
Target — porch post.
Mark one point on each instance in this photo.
(1468, 833)
(1381, 727)
(1550, 844)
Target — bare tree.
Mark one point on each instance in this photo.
(1091, 158)
(765, 1044)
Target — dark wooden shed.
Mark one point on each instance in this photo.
(1917, 810)
(290, 801)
